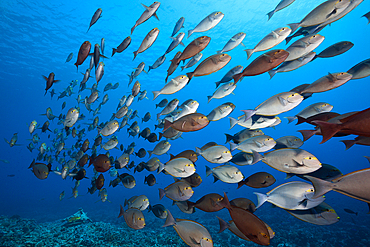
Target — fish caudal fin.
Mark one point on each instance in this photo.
(233, 122)
(167, 124)
(328, 130)
(223, 224)
(349, 143)
(301, 120)
(209, 98)
(135, 54)
(291, 119)
(321, 186)
(241, 183)
(156, 94)
(249, 52)
(225, 202)
(114, 50)
(161, 167)
(256, 157)
(287, 39)
(198, 151)
(294, 26)
(170, 221)
(272, 73)
(228, 137)
(237, 77)
(133, 28)
(162, 193)
(261, 198)
(233, 146)
(190, 32)
(248, 114)
(208, 171)
(307, 134)
(270, 14)
(121, 211)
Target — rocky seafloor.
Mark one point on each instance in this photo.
(81, 231)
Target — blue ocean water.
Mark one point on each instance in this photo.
(36, 38)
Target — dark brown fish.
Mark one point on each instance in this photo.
(150, 180)
(210, 65)
(152, 137)
(249, 224)
(243, 203)
(102, 163)
(80, 174)
(141, 153)
(134, 217)
(258, 180)
(83, 161)
(99, 182)
(169, 133)
(85, 145)
(335, 50)
(83, 53)
(359, 140)
(263, 63)
(194, 180)
(208, 203)
(40, 170)
(172, 68)
(357, 124)
(193, 48)
(355, 184)
(323, 116)
(49, 81)
(125, 43)
(189, 154)
(187, 123)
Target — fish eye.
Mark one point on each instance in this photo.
(264, 235)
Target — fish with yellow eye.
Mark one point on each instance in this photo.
(13, 141)
(188, 123)
(207, 23)
(208, 203)
(215, 154)
(134, 218)
(40, 170)
(109, 128)
(191, 232)
(71, 117)
(178, 167)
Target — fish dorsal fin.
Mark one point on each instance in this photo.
(283, 101)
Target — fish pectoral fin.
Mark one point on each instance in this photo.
(303, 202)
(194, 241)
(214, 60)
(268, 58)
(259, 144)
(180, 192)
(275, 35)
(330, 77)
(179, 170)
(283, 101)
(331, 13)
(297, 164)
(193, 122)
(300, 44)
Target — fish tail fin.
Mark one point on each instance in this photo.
(321, 186)
(233, 122)
(160, 136)
(233, 146)
(161, 167)
(170, 221)
(290, 119)
(314, 58)
(228, 137)
(150, 153)
(261, 198)
(209, 98)
(328, 130)
(249, 52)
(208, 171)
(6, 141)
(300, 120)
(198, 151)
(158, 115)
(182, 68)
(114, 50)
(272, 73)
(191, 205)
(237, 77)
(241, 183)
(133, 28)
(288, 39)
(161, 193)
(219, 52)
(190, 32)
(289, 175)
(270, 14)
(155, 94)
(256, 157)
(223, 224)
(126, 203)
(218, 83)
(167, 124)
(190, 75)
(307, 134)
(248, 114)
(349, 143)
(135, 54)
(293, 26)
(225, 202)
(367, 157)
(121, 211)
